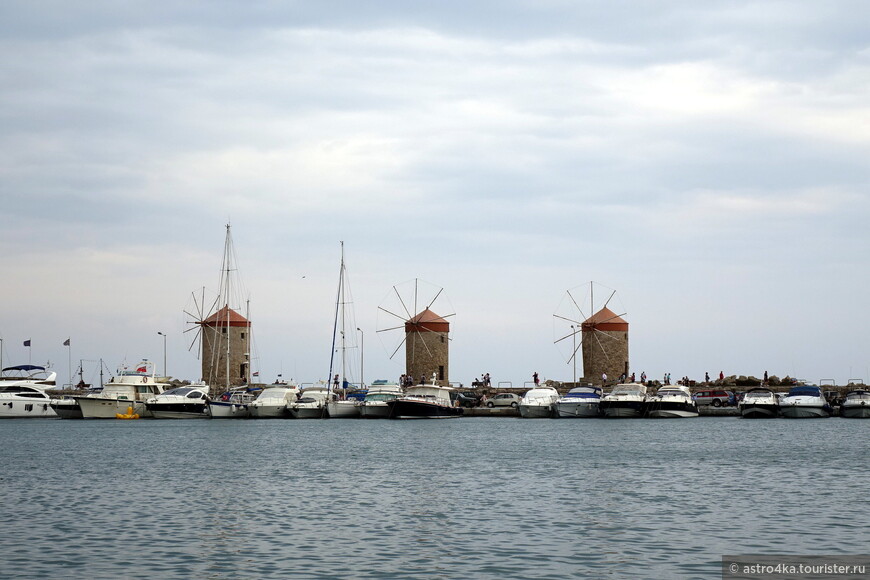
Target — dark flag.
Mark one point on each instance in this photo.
(66, 342)
(27, 342)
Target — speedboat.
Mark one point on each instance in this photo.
(131, 388)
(232, 404)
(375, 406)
(66, 407)
(538, 403)
(624, 401)
(311, 403)
(424, 402)
(804, 402)
(22, 392)
(272, 402)
(188, 402)
(579, 402)
(856, 405)
(672, 401)
(346, 407)
(759, 403)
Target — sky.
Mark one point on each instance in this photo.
(707, 161)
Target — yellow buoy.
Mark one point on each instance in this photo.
(128, 415)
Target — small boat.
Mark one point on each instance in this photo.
(272, 402)
(311, 403)
(375, 405)
(670, 402)
(130, 388)
(856, 405)
(22, 392)
(579, 402)
(539, 403)
(232, 404)
(424, 402)
(804, 402)
(625, 401)
(66, 407)
(189, 402)
(759, 403)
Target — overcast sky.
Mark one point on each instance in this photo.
(706, 160)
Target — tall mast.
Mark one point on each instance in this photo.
(335, 323)
(226, 292)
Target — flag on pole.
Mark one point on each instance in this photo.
(256, 373)
(66, 342)
(27, 342)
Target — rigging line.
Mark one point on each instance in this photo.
(388, 329)
(569, 335)
(436, 298)
(574, 354)
(569, 319)
(398, 347)
(608, 300)
(577, 306)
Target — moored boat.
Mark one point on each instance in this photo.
(671, 402)
(22, 392)
(804, 402)
(188, 402)
(759, 403)
(856, 405)
(375, 405)
(579, 402)
(311, 403)
(538, 403)
(232, 404)
(424, 402)
(625, 401)
(272, 402)
(130, 388)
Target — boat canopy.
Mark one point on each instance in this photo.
(805, 391)
(24, 368)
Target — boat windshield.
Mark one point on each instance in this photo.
(371, 397)
(805, 391)
(179, 391)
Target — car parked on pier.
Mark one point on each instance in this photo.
(465, 398)
(717, 398)
(503, 400)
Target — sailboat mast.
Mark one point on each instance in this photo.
(226, 291)
(343, 338)
(335, 323)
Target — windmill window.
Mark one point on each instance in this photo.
(224, 330)
(243, 336)
(442, 338)
(441, 369)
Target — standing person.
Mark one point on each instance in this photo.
(486, 381)
(721, 375)
(706, 378)
(603, 379)
(765, 378)
(535, 378)
(632, 377)
(643, 377)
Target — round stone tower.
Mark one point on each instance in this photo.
(426, 341)
(226, 340)
(605, 347)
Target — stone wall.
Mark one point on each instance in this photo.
(214, 355)
(605, 351)
(426, 352)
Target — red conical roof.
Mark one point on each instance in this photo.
(605, 319)
(427, 320)
(226, 316)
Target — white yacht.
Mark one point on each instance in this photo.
(804, 402)
(626, 400)
(856, 405)
(22, 392)
(234, 404)
(347, 408)
(311, 403)
(188, 402)
(579, 402)
(130, 388)
(672, 401)
(375, 406)
(759, 403)
(272, 402)
(539, 403)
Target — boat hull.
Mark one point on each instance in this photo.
(227, 410)
(803, 412)
(759, 411)
(66, 408)
(409, 409)
(343, 410)
(622, 409)
(178, 410)
(536, 411)
(277, 411)
(26, 409)
(577, 410)
(673, 411)
(105, 408)
(378, 410)
(855, 411)
(307, 412)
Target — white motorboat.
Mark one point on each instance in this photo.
(375, 406)
(233, 404)
(129, 389)
(311, 403)
(272, 402)
(856, 405)
(539, 403)
(22, 392)
(625, 401)
(759, 403)
(424, 402)
(579, 402)
(804, 402)
(343, 409)
(670, 402)
(188, 402)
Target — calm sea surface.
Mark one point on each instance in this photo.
(461, 498)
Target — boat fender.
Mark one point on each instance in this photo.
(144, 379)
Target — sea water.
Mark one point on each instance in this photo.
(456, 498)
